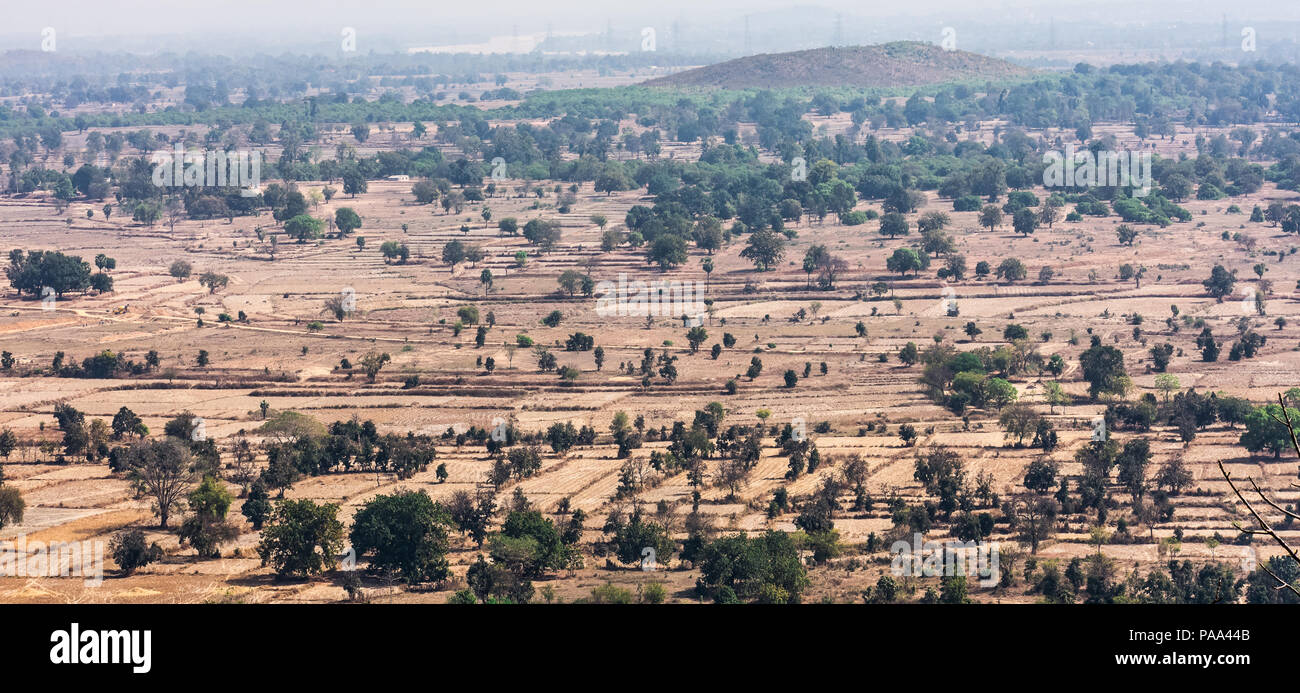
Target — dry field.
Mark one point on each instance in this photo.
(407, 311)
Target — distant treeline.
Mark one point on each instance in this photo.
(1153, 94)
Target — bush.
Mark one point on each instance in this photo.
(653, 593)
(854, 218)
(766, 567)
(130, 551)
(463, 597)
(609, 593)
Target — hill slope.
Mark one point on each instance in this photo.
(903, 63)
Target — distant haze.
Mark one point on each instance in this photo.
(712, 27)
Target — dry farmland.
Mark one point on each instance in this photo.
(287, 350)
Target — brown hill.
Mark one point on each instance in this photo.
(903, 63)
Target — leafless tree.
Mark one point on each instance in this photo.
(162, 469)
(1035, 517)
(1262, 525)
(242, 469)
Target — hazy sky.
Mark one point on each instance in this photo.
(296, 20)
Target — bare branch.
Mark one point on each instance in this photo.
(1268, 500)
(1265, 528)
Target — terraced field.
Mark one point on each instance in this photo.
(436, 379)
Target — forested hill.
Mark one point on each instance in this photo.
(904, 63)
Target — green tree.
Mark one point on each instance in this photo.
(1266, 429)
(667, 251)
(1012, 270)
(303, 228)
(1132, 462)
(791, 378)
(528, 545)
(302, 538)
(1040, 475)
(1055, 395)
(346, 220)
(571, 281)
(494, 582)
(354, 181)
(1220, 282)
(257, 507)
(906, 260)
(453, 252)
(738, 567)
(213, 281)
(8, 443)
(990, 217)
(12, 506)
(425, 192)
(908, 354)
(765, 249)
(1167, 383)
(181, 270)
(1103, 368)
(631, 539)
(206, 529)
(373, 362)
(1209, 348)
(406, 533)
(894, 224)
(1127, 234)
(695, 337)
(1025, 221)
